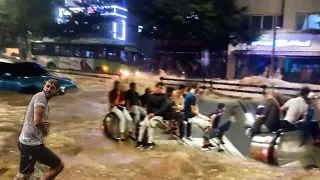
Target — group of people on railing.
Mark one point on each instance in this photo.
(177, 106)
(299, 115)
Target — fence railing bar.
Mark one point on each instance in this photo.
(236, 84)
(81, 73)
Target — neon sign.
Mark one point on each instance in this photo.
(112, 10)
(283, 43)
(123, 36)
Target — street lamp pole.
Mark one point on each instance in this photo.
(274, 28)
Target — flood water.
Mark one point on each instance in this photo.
(88, 155)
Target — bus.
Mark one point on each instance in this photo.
(87, 56)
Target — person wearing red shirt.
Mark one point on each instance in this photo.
(118, 106)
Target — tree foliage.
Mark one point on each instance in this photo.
(209, 21)
(26, 17)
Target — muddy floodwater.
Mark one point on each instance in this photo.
(88, 155)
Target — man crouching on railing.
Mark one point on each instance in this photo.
(157, 107)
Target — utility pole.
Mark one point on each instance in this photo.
(274, 28)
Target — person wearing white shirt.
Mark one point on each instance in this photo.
(296, 108)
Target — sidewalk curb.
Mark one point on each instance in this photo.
(213, 141)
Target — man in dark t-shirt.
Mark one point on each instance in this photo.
(133, 103)
(270, 116)
(144, 97)
(190, 111)
(132, 96)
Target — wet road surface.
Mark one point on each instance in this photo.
(88, 155)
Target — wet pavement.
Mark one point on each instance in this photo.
(76, 138)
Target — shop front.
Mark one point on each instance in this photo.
(296, 57)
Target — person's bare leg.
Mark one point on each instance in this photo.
(52, 173)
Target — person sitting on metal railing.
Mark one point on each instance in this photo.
(144, 97)
(117, 106)
(296, 108)
(157, 107)
(309, 125)
(190, 111)
(134, 104)
(215, 129)
(268, 117)
(178, 98)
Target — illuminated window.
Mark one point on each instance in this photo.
(307, 21)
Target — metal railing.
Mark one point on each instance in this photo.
(82, 73)
(232, 87)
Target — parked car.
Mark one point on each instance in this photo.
(28, 77)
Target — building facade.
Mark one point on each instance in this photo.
(288, 45)
(118, 18)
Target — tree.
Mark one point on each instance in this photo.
(208, 21)
(26, 18)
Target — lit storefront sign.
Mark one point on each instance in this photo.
(283, 43)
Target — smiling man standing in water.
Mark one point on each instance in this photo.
(35, 127)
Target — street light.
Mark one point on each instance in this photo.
(274, 29)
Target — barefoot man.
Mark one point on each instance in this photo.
(35, 127)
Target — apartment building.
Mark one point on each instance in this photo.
(291, 14)
(291, 49)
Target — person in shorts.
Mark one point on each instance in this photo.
(34, 128)
(216, 129)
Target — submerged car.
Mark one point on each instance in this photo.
(279, 147)
(285, 149)
(28, 77)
